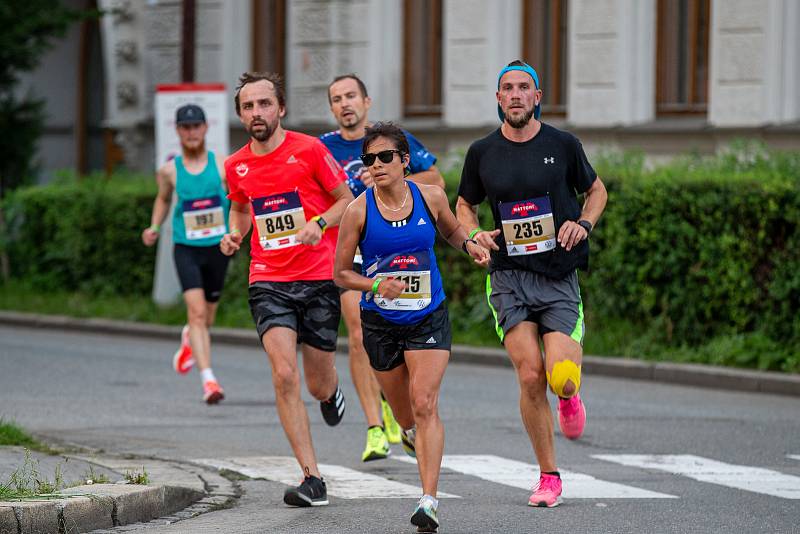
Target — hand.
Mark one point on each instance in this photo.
(366, 178)
(311, 234)
(230, 243)
(486, 239)
(479, 254)
(391, 288)
(570, 234)
(149, 237)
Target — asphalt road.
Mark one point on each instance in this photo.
(654, 457)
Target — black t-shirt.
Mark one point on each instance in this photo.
(525, 177)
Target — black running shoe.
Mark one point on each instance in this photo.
(333, 408)
(310, 492)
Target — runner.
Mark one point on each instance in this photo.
(531, 174)
(349, 102)
(198, 222)
(403, 311)
(291, 188)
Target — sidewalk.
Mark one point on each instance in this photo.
(707, 376)
(174, 491)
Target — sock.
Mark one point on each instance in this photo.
(375, 426)
(207, 374)
(554, 473)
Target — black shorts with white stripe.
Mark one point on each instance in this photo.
(386, 342)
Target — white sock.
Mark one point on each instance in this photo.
(207, 374)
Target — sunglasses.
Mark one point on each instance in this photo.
(386, 156)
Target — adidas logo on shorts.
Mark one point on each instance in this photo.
(431, 340)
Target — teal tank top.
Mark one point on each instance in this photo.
(200, 218)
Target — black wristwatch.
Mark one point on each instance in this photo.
(320, 221)
(586, 226)
(464, 244)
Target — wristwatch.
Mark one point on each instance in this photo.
(586, 226)
(320, 221)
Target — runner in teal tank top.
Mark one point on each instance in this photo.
(199, 220)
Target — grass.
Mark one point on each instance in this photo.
(135, 477)
(12, 434)
(26, 482)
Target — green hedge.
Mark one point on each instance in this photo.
(698, 260)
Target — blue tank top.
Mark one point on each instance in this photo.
(200, 218)
(404, 252)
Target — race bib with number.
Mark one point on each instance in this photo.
(278, 219)
(528, 226)
(412, 269)
(203, 217)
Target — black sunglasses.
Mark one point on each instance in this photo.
(386, 156)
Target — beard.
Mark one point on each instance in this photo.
(262, 135)
(521, 121)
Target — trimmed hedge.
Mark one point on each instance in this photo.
(697, 261)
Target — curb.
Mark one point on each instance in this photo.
(708, 376)
(180, 491)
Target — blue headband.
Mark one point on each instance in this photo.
(537, 111)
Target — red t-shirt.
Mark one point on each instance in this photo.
(284, 189)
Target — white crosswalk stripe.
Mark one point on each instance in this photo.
(794, 456)
(753, 479)
(522, 475)
(341, 482)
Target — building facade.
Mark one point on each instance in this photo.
(663, 76)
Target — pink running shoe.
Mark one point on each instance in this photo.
(547, 492)
(571, 416)
(183, 361)
(212, 392)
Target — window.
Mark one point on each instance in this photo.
(269, 36)
(544, 47)
(682, 56)
(422, 57)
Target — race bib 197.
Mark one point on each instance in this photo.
(203, 217)
(415, 270)
(528, 226)
(278, 219)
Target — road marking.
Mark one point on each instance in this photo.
(794, 456)
(341, 482)
(522, 475)
(754, 479)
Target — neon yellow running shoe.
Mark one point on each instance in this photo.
(377, 445)
(391, 427)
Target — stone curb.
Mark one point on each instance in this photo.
(708, 376)
(178, 491)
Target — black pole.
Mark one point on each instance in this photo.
(187, 41)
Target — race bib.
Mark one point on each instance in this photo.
(203, 217)
(412, 269)
(528, 226)
(278, 219)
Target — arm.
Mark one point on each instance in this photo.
(160, 204)
(432, 176)
(343, 273)
(467, 215)
(447, 224)
(240, 223)
(311, 234)
(571, 233)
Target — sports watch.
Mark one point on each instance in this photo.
(586, 226)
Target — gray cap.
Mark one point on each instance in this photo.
(190, 114)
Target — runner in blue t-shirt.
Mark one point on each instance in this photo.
(347, 96)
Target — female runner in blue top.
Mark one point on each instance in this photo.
(403, 313)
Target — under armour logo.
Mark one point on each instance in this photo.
(550, 160)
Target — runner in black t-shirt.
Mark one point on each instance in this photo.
(531, 174)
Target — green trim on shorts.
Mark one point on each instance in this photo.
(497, 326)
(579, 330)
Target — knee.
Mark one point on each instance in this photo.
(565, 378)
(197, 315)
(531, 381)
(423, 405)
(286, 379)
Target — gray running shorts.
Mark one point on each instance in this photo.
(310, 308)
(555, 305)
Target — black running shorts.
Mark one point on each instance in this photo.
(310, 308)
(386, 342)
(201, 267)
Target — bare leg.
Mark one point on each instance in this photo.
(198, 317)
(360, 370)
(396, 388)
(522, 344)
(559, 347)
